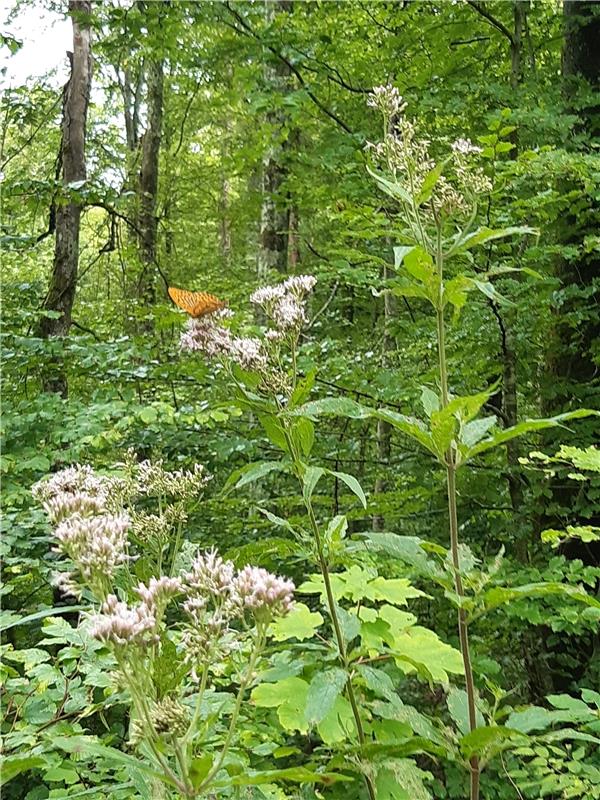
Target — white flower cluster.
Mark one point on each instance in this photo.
(151, 478)
(465, 147)
(284, 303)
(406, 156)
(387, 99)
(122, 625)
(74, 490)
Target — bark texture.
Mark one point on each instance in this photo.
(274, 221)
(148, 183)
(63, 282)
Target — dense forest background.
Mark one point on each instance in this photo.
(224, 148)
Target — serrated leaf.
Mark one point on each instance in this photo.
(301, 623)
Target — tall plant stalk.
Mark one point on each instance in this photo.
(337, 628)
(463, 628)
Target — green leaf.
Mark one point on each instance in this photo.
(199, 769)
(534, 718)
(352, 484)
(456, 290)
(489, 290)
(47, 612)
(429, 182)
(379, 682)
(399, 254)
(499, 595)
(279, 521)
(408, 549)
(482, 235)
(15, 765)
(528, 426)
(289, 697)
(339, 725)
(303, 389)
(475, 430)
(301, 623)
(310, 478)
(429, 400)
(293, 774)
(337, 406)
(251, 473)
(492, 738)
(274, 430)
(458, 708)
(86, 746)
(419, 264)
(392, 188)
(323, 691)
(410, 426)
(304, 432)
(148, 415)
(401, 779)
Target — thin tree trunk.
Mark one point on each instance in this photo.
(273, 251)
(224, 204)
(148, 184)
(63, 282)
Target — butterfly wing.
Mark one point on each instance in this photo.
(196, 304)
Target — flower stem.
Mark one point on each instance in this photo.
(463, 630)
(236, 711)
(324, 567)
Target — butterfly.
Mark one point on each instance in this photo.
(196, 304)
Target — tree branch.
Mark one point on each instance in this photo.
(500, 26)
(293, 69)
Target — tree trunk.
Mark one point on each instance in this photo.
(571, 369)
(571, 374)
(274, 221)
(148, 184)
(63, 283)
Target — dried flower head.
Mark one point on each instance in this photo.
(151, 479)
(210, 576)
(406, 155)
(170, 716)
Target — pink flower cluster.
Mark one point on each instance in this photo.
(206, 335)
(122, 625)
(265, 595)
(96, 545)
(284, 303)
(217, 595)
(76, 500)
(252, 588)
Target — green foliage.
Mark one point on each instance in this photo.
(355, 454)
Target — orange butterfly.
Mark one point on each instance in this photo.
(196, 304)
